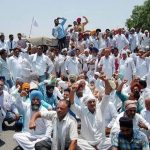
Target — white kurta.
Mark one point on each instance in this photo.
(110, 115)
(41, 63)
(28, 138)
(63, 131)
(141, 67)
(15, 66)
(72, 66)
(107, 66)
(93, 123)
(121, 41)
(127, 69)
(133, 40)
(4, 70)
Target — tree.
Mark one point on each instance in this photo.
(140, 17)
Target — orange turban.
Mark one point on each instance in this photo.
(25, 85)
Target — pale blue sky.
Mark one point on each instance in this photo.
(16, 15)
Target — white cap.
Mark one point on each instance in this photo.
(33, 85)
(88, 98)
(63, 84)
(64, 49)
(145, 31)
(97, 73)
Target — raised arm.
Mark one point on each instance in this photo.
(86, 21)
(63, 20)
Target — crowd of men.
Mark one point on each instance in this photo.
(92, 92)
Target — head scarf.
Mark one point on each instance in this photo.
(78, 19)
(130, 104)
(88, 98)
(25, 85)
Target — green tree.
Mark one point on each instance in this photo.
(140, 17)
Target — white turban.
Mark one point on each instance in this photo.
(88, 98)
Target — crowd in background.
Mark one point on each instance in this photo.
(91, 92)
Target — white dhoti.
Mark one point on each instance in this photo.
(84, 145)
(105, 145)
(26, 140)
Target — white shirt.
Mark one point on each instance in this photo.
(4, 70)
(137, 118)
(41, 63)
(110, 115)
(11, 46)
(43, 126)
(141, 67)
(93, 123)
(107, 66)
(133, 39)
(19, 67)
(146, 115)
(63, 131)
(72, 65)
(145, 43)
(3, 45)
(121, 41)
(127, 69)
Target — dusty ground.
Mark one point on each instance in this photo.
(7, 142)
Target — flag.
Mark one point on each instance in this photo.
(35, 23)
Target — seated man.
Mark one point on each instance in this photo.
(49, 96)
(92, 117)
(130, 111)
(6, 106)
(128, 138)
(64, 128)
(28, 138)
(42, 88)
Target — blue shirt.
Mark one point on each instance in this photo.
(59, 32)
(48, 102)
(138, 142)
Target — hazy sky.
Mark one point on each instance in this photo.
(16, 15)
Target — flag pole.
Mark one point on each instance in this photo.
(31, 27)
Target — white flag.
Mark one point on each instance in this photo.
(35, 23)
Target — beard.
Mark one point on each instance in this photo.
(35, 107)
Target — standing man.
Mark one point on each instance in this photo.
(19, 66)
(133, 40)
(41, 64)
(80, 26)
(21, 42)
(106, 64)
(4, 69)
(121, 41)
(3, 44)
(11, 44)
(72, 64)
(59, 32)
